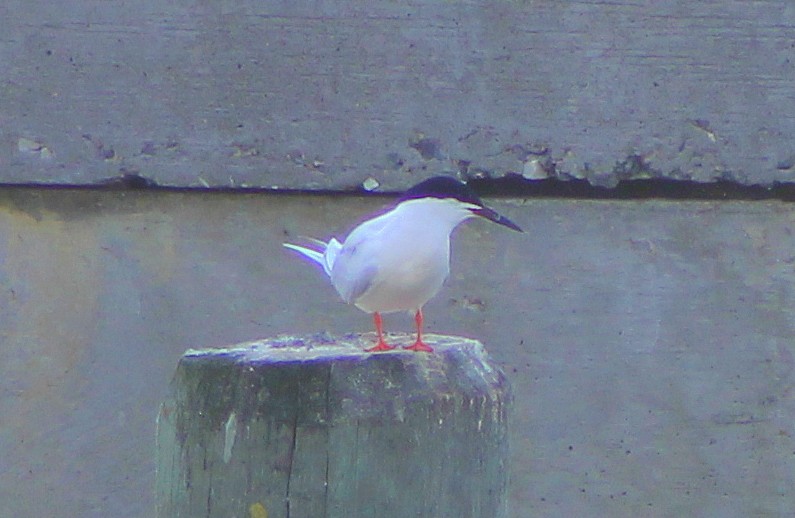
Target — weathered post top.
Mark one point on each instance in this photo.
(315, 426)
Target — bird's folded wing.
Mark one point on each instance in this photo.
(352, 287)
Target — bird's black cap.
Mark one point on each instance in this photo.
(442, 187)
(448, 187)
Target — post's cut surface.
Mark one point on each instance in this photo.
(315, 427)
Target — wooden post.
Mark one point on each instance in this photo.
(315, 427)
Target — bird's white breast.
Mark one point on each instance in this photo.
(399, 260)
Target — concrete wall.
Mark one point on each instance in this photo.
(649, 343)
(327, 95)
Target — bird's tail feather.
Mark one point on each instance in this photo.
(332, 249)
(307, 252)
(318, 242)
(324, 258)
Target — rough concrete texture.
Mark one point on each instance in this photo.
(343, 95)
(314, 426)
(649, 344)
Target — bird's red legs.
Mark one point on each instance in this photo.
(379, 329)
(419, 345)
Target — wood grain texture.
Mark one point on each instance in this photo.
(277, 94)
(310, 428)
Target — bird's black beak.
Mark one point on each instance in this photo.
(493, 215)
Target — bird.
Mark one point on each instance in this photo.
(397, 261)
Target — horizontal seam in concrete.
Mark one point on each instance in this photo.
(506, 187)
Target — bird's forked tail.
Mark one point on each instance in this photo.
(325, 257)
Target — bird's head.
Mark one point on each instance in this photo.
(458, 196)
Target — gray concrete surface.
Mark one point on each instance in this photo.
(649, 344)
(333, 95)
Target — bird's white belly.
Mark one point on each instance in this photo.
(406, 285)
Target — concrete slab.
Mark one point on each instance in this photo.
(649, 344)
(380, 94)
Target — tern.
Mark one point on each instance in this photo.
(398, 261)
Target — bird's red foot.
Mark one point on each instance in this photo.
(380, 346)
(419, 346)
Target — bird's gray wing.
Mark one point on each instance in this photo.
(354, 270)
(355, 287)
(356, 260)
